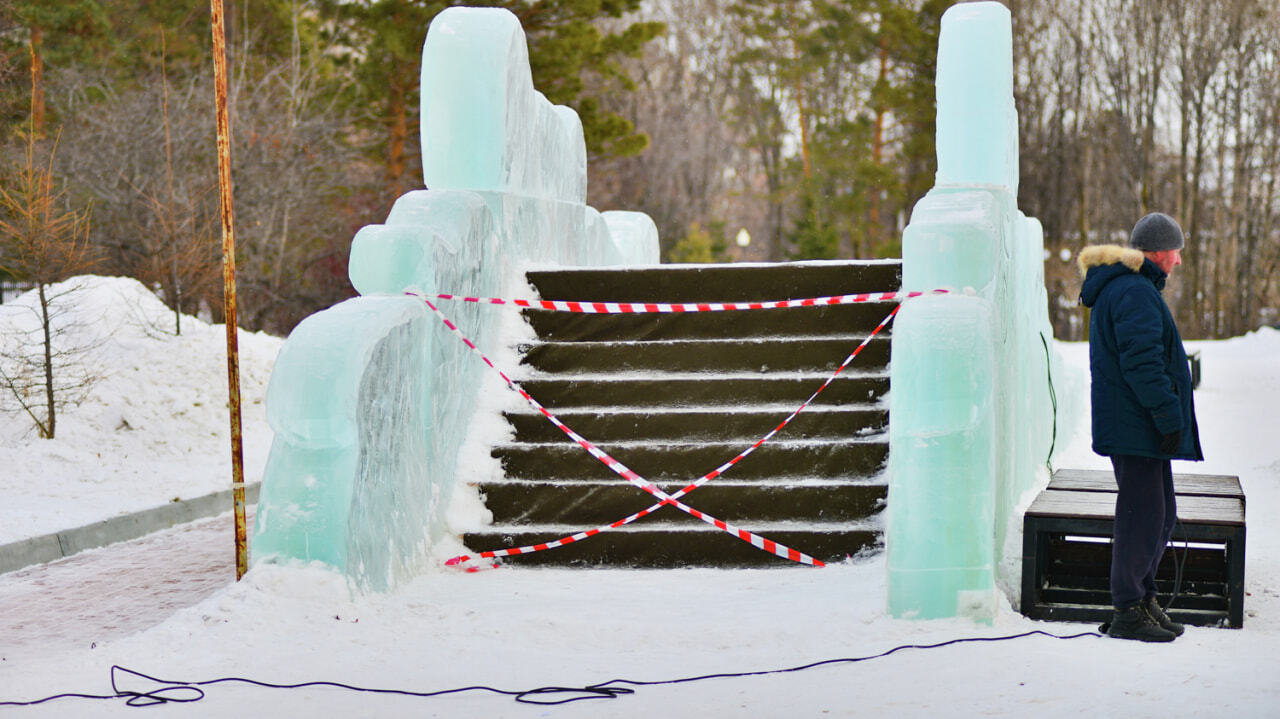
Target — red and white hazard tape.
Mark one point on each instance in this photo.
(622, 470)
(618, 468)
(672, 307)
(694, 485)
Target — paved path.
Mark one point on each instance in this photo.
(117, 590)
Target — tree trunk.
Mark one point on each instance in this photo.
(799, 88)
(874, 230)
(777, 214)
(1086, 178)
(37, 83)
(397, 134)
(50, 424)
(1213, 300)
(168, 222)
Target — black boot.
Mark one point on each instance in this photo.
(1167, 624)
(1135, 623)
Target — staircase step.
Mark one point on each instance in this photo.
(735, 282)
(686, 462)
(591, 504)
(745, 425)
(855, 385)
(659, 546)
(791, 322)
(676, 395)
(814, 354)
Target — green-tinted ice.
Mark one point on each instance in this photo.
(370, 399)
(971, 415)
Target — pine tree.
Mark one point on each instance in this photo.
(911, 46)
(852, 82)
(567, 48)
(701, 245)
(48, 32)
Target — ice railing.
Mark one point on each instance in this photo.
(369, 400)
(971, 407)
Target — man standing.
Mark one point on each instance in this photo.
(1143, 413)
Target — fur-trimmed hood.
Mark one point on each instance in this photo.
(1098, 255)
(1103, 263)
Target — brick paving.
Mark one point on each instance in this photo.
(118, 590)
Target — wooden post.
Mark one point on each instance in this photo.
(229, 279)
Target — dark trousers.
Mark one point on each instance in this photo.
(1145, 514)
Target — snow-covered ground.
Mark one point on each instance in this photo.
(154, 425)
(525, 628)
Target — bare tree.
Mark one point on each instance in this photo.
(295, 164)
(699, 168)
(145, 154)
(1133, 53)
(143, 157)
(1180, 115)
(1257, 174)
(43, 245)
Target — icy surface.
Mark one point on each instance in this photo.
(484, 127)
(634, 235)
(971, 405)
(346, 483)
(977, 125)
(941, 505)
(373, 399)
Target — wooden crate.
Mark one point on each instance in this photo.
(1066, 550)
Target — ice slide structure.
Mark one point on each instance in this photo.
(369, 399)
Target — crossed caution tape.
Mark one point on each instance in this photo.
(664, 499)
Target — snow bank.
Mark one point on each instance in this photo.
(152, 428)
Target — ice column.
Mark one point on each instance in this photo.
(971, 418)
(370, 400)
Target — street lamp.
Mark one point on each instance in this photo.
(743, 239)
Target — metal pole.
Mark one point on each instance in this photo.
(229, 278)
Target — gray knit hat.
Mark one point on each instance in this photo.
(1156, 232)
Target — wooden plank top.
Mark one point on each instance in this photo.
(1202, 485)
(1102, 505)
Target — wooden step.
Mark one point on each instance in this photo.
(792, 322)
(703, 424)
(660, 546)
(734, 282)
(687, 462)
(594, 503)
(763, 355)
(855, 385)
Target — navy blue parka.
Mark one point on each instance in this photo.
(1141, 386)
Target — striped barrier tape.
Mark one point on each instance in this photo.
(570, 539)
(626, 473)
(673, 307)
(618, 468)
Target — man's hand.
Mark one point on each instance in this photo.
(1169, 443)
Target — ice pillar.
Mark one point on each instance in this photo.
(970, 415)
(977, 125)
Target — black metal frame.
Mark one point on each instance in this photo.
(1065, 575)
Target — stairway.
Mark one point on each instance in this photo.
(674, 396)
